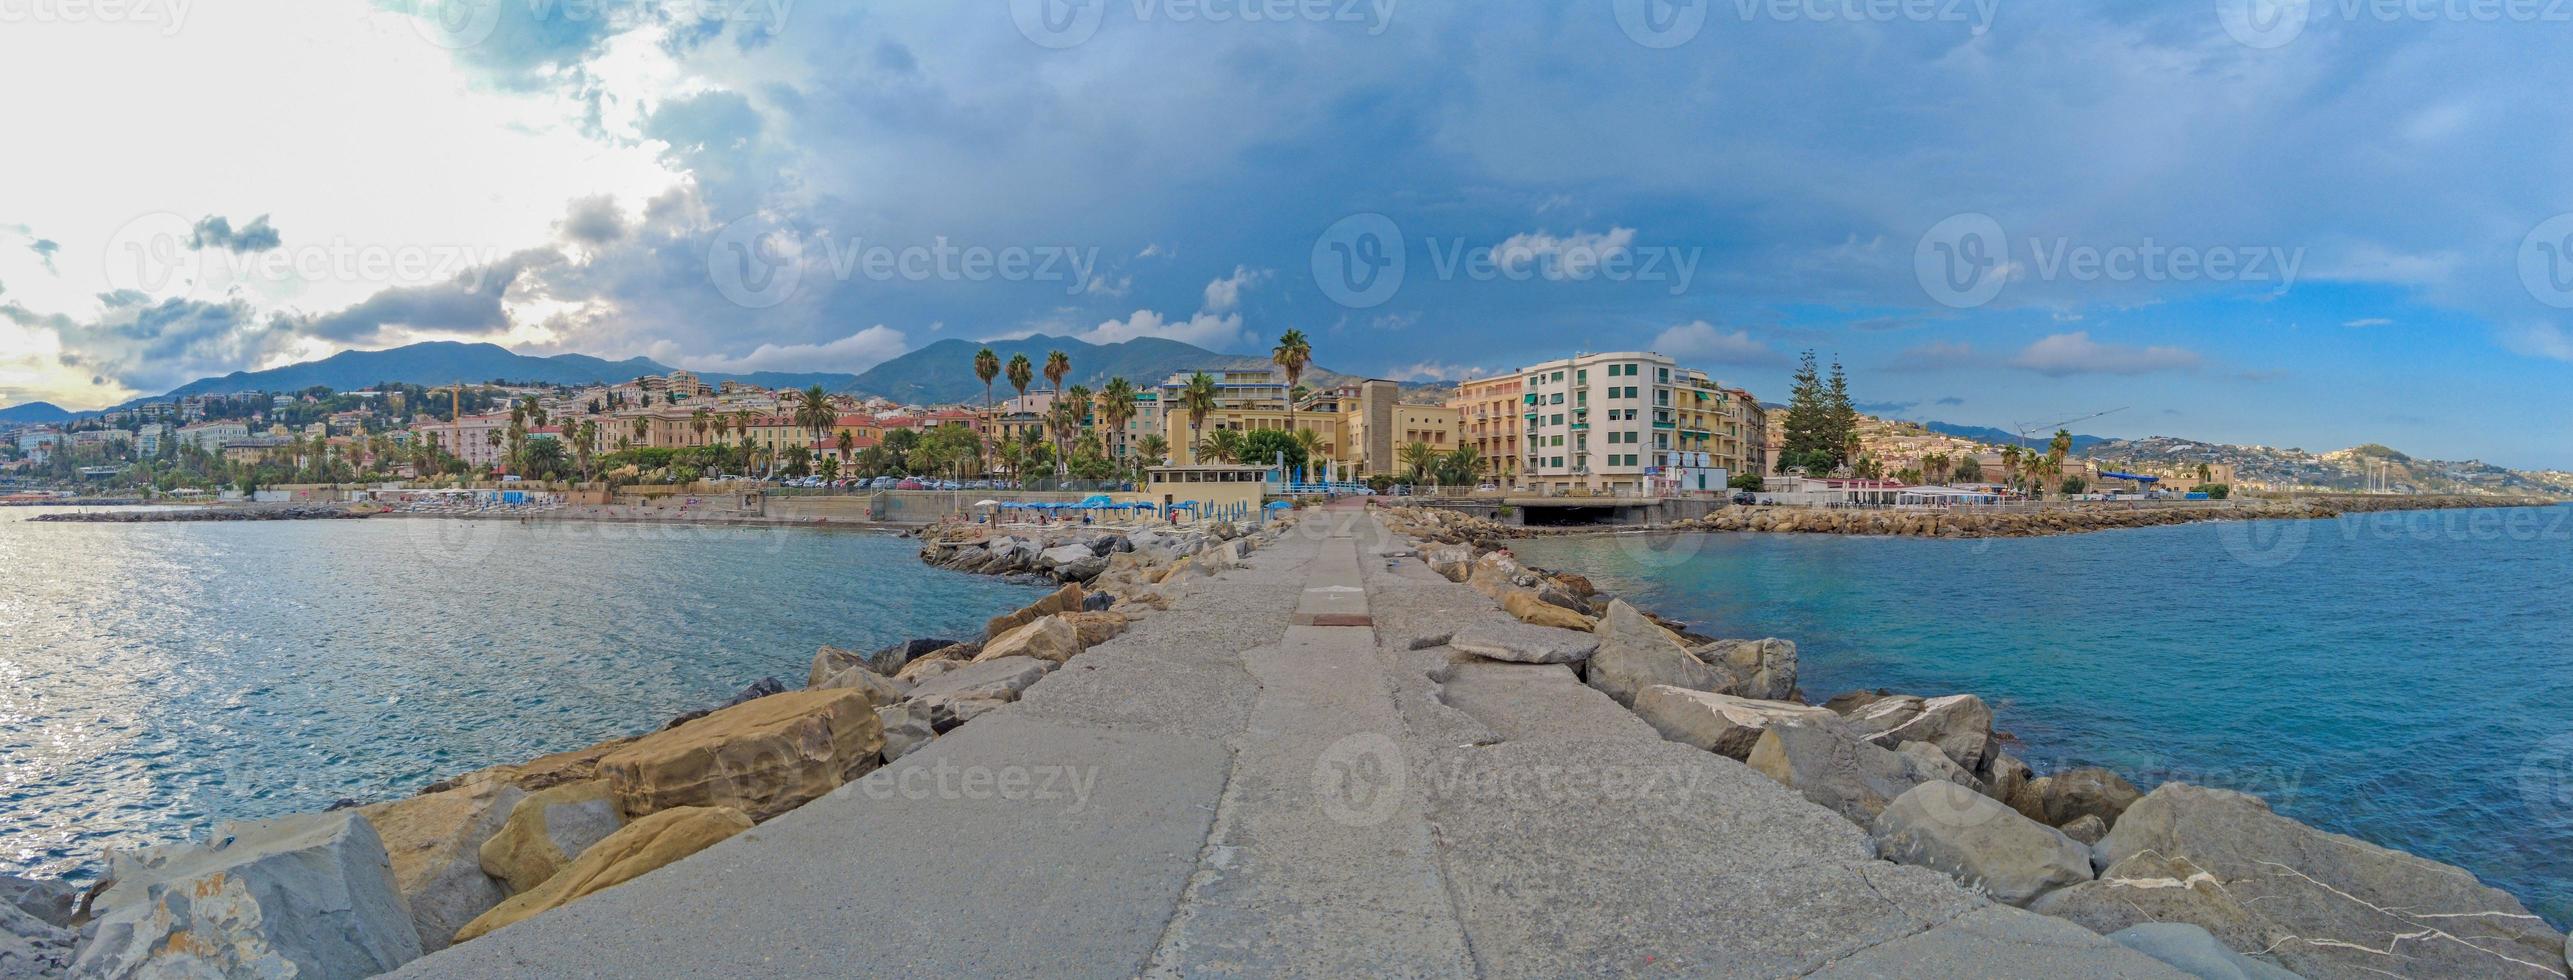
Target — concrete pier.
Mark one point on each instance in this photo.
(1288, 774)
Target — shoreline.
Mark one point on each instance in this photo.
(1970, 525)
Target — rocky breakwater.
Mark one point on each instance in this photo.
(327, 512)
(2208, 880)
(2073, 519)
(360, 890)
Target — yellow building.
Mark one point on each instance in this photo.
(1360, 429)
(1488, 411)
(1218, 489)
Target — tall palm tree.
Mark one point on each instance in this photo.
(1116, 408)
(813, 413)
(1151, 450)
(1057, 364)
(1419, 459)
(701, 420)
(987, 365)
(847, 443)
(1021, 374)
(1311, 442)
(1198, 400)
(1292, 355)
(1223, 445)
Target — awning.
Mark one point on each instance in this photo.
(2104, 474)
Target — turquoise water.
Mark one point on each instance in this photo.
(156, 678)
(2403, 678)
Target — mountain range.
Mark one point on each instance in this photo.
(940, 373)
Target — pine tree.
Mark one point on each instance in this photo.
(1808, 421)
(1844, 417)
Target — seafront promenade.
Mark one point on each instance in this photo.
(1289, 772)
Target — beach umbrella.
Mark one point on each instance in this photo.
(987, 503)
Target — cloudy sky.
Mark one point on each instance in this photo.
(2308, 227)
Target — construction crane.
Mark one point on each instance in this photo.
(2028, 442)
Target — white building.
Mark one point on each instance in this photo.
(1597, 421)
(210, 436)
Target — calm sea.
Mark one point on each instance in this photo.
(156, 678)
(2403, 678)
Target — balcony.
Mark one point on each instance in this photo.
(1581, 427)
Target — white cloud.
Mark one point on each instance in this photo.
(2538, 340)
(1226, 293)
(2370, 321)
(1100, 286)
(1207, 330)
(1701, 342)
(855, 352)
(1569, 257)
(2067, 354)
(1435, 371)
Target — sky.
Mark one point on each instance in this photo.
(2239, 220)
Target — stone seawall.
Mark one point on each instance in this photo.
(2073, 518)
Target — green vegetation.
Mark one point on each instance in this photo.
(1821, 424)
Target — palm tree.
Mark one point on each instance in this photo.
(1224, 445)
(584, 442)
(1197, 399)
(813, 412)
(1292, 355)
(1460, 466)
(987, 365)
(1116, 407)
(1021, 374)
(1311, 442)
(1151, 450)
(847, 443)
(1419, 459)
(1057, 364)
(701, 420)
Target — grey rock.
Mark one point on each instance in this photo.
(2070, 795)
(1519, 642)
(2191, 950)
(1938, 765)
(309, 896)
(1979, 842)
(2318, 903)
(880, 690)
(50, 899)
(1762, 669)
(1097, 602)
(2002, 775)
(907, 726)
(761, 688)
(1635, 653)
(1719, 723)
(890, 659)
(1834, 768)
(1000, 679)
(32, 947)
(946, 713)
(2088, 829)
(1959, 724)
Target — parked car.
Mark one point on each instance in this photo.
(910, 484)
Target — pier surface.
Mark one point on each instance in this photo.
(1287, 774)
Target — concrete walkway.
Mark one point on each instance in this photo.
(1285, 774)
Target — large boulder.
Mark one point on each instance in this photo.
(1000, 680)
(762, 758)
(52, 900)
(1050, 639)
(2002, 775)
(1096, 626)
(1835, 769)
(306, 896)
(1529, 608)
(1073, 563)
(1763, 670)
(31, 946)
(1521, 643)
(644, 845)
(1976, 840)
(1635, 653)
(2070, 795)
(1452, 562)
(1928, 759)
(906, 727)
(879, 689)
(435, 841)
(2192, 950)
(545, 831)
(2319, 904)
(1063, 600)
(1719, 723)
(1960, 724)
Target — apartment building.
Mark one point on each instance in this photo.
(1488, 417)
(1632, 422)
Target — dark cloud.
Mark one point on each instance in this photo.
(593, 221)
(1885, 408)
(45, 249)
(1949, 400)
(215, 231)
(470, 303)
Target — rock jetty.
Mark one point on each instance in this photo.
(2208, 880)
(1457, 527)
(298, 513)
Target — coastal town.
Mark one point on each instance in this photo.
(1633, 424)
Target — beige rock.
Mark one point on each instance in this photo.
(546, 830)
(1979, 842)
(1052, 639)
(1096, 627)
(762, 757)
(932, 664)
(879, 689)
(642, 846)
(435, 841)
(1535, 611)
(1719, 723)
(1065, 599)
